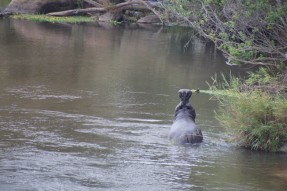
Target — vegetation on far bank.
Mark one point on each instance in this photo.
(247, 32)
(52, 19)
(4, 2)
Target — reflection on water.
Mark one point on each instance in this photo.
(88, 107)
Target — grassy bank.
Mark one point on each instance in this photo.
(257, 116)
(44, 18)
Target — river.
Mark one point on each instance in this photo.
(89, 107)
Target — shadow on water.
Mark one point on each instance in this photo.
(88, 107)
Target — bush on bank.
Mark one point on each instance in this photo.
(257, 117)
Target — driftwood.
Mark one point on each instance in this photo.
(135, 5)
(91, 10)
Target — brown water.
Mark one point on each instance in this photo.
(89, 107)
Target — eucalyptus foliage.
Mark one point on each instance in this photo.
(250, 31)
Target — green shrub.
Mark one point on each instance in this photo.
(247, 32)
(258, 119)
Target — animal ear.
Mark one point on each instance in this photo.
(180, 93)
(189, 93)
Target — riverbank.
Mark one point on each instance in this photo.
(133, 11)
(257, 117)
(52, 19)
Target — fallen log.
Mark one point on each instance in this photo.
(135, 5)
(73, 12)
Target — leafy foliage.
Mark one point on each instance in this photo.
(250, 32)
(259, 119)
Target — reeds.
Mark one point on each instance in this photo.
(51, 19)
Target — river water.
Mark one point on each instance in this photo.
(89, 107)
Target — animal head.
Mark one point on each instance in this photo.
(184, 95)
(184, 107)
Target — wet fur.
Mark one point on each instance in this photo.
(184, 129)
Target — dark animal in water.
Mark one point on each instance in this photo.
(184, 129)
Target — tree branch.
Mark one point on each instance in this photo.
(131, 4)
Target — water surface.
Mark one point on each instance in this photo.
(88, 107)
